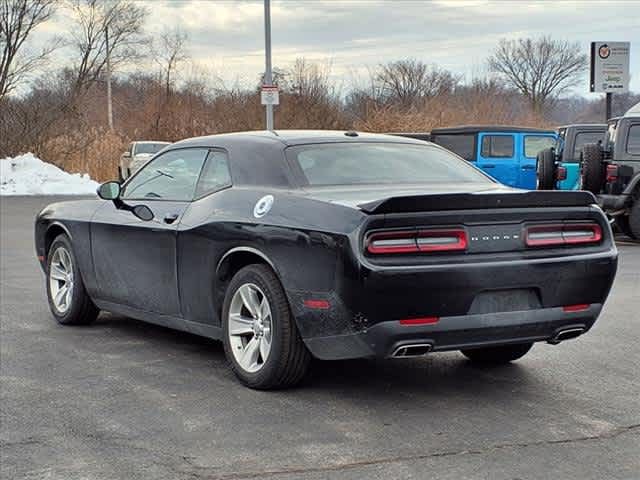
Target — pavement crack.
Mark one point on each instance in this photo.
(612, 433)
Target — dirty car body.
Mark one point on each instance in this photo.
(368, 267)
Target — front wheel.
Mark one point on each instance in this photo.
(633, 220)
(261, 340)
(497, 355)
(68, 299)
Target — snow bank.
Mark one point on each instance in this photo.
(28, 175)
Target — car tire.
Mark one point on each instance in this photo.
(546, 170)
(68, 299)
(264, 348)
(497, 355)
(633, 221)
(622, 225)
(591, 168)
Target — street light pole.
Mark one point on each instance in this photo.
(109, 101)
(268, 79)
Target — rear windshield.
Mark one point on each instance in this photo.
(149, 147)
(381, 163)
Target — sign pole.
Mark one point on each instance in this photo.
(268, 79)
(608, 108)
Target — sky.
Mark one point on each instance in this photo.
(226, 38)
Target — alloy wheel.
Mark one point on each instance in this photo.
(61, 279)
(250, 327)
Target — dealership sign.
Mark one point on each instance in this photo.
(269, 95)
(610, 67)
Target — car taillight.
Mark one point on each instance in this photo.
(561, 173)
(417, 241)
(612, 173)
(562, 234)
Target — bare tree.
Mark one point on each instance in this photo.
(540, 69)
(18, 18)
(122, 19)
(309, 80)
(169, 52)
(408, 81)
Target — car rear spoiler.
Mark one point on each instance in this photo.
(466, 201)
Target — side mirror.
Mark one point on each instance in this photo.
(109, 191)
(142, 212)
(127, 154)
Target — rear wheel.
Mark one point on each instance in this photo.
(546, 170)
(633, 220)
(591, 168)
(497, 355)
(68, 299)
(261, 340)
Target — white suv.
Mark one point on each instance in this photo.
(136, 155)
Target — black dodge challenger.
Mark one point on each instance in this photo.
(292, 244)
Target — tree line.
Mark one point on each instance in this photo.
(62, 115)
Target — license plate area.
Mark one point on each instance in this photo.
(510, 300)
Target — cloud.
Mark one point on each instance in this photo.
(356, 35)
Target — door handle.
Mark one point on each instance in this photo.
(170, 217)
(528, 167)
(489, 165)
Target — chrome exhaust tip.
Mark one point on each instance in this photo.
(566, 334)
(412, 350)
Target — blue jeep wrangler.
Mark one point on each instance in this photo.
(506, 153)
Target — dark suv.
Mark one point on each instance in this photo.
(558, 167)
(611, 170)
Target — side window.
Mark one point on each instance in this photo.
(533, 144)
(633, 140)
(462, 145)
(497, 146)
(582, 138)
(170, 176)
(215, 174)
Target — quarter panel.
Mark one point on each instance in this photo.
(303, 238)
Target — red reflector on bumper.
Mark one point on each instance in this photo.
(576, 308)
(420, 321)
(41, 258)
(317, 304)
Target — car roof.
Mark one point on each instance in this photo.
(585, 125)
(151, 141)
(293, 137)
(488, 128)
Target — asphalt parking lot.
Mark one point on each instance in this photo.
(126, 400)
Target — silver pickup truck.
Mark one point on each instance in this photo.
(136, 155)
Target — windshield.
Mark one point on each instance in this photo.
(149, 147)
(381, 163)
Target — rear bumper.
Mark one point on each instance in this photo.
(491, 303)
(613, 202)
(454, 333)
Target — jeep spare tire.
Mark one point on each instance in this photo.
(591, 168)
(546, 169)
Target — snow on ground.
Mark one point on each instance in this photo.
(28, 175)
